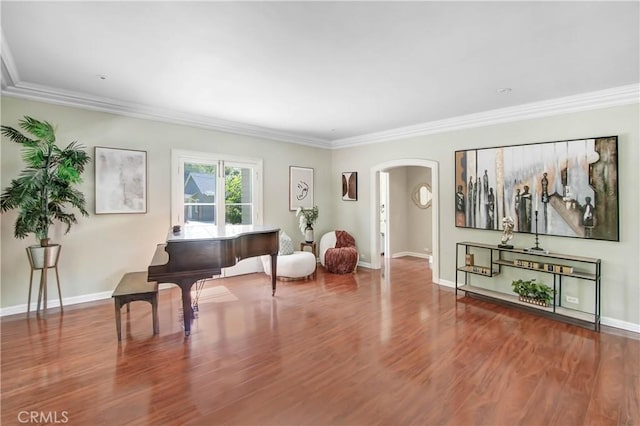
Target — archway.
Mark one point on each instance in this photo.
(375, 203)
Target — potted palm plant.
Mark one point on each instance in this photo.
(44, 191)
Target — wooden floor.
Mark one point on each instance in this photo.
(377, 347)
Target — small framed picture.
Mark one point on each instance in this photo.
(350, 186)
(300, 187)
(468, 259)
(121, 180)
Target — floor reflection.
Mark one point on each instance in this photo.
(374, 347)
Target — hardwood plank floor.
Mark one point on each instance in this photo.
(376, 347)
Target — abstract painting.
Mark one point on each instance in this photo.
(121, 180)
(300, 187)
(350, 186)
(565, 188)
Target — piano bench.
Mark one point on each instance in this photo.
(132, 287)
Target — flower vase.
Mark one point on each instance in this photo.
(308, 234)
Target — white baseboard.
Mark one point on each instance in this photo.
(412, 254)
(55, 303)
(446, 283)
(366, 265)
(624, 325)
(67, 301)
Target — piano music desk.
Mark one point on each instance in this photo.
(132, 287)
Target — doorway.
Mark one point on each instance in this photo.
(380, 210)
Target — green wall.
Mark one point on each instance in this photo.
(620, 260)
(100, 248)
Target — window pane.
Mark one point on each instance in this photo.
(199, 193)
(238, 195)
(238, 214)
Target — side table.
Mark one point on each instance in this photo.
(312, 245)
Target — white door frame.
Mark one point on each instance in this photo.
(384, 178)
(375, 207)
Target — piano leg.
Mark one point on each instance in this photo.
(187, 311)
(274, 274)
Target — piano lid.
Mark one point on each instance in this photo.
(212, 232)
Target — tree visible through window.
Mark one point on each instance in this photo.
(233, 195)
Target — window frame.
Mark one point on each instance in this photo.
(179, 157)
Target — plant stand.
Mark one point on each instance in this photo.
(51, 256)
(533, 301)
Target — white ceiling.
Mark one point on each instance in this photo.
(315, 72)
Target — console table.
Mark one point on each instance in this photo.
(493, 258)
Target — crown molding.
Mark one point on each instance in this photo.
(617, 96)
(9, 70)
(6, 75)
(12, 87)
(46, 94)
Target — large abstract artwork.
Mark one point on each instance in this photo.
(570, 187)
(121, 180)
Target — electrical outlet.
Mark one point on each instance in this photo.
(572, 299)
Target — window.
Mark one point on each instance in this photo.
(215, 189)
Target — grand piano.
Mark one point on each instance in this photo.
(200, 252)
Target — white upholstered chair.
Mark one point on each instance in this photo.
(292, 265)
(295, 266)
(327, 241)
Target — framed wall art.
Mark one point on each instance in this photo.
(350, 186)
(572, 185)
(300, 187)
(121, 180)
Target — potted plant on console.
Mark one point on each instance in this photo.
(44, 191)
(530, 291)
